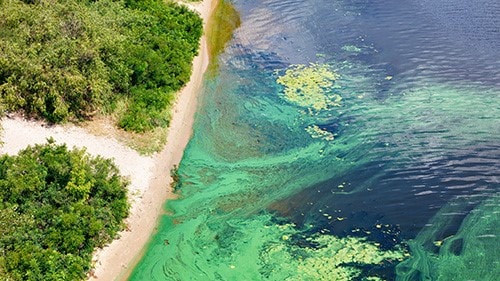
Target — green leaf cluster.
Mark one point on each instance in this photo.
(56, 207)
(68, 60)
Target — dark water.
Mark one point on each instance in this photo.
(409, 185)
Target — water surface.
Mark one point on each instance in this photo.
(408, 189)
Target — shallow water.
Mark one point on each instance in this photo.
(413, 169)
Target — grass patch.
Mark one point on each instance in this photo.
(146, 143)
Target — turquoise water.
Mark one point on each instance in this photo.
(397, 181)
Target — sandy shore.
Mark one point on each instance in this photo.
(149, 175)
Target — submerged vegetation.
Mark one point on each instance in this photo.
(56, 207)
(67, 60)
(471, 253)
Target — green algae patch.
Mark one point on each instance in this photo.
(327, 258)
(317, 133)
(309, 86)
(220, 28)
(351, 49)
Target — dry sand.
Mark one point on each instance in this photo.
(149, 175)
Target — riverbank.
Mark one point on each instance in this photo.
(117, 260)
(149, 175)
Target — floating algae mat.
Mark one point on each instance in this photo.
(320, 152)
(307, 86)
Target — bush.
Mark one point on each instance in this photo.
(146, 110)
(56, 206)
(68, 59)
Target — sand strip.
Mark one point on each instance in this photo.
(149, 175)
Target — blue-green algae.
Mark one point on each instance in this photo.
(471, 253)
(252, 149)
(409, 120)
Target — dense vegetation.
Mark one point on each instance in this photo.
(70, 59)
(56, 206)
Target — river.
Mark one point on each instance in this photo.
(343, 140)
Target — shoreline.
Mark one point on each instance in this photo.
(149, 175)
(117, 260)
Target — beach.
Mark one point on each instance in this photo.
(149, 175)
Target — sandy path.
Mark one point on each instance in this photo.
(18, 133)
(149, 176)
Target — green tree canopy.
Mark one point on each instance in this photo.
(56, 207)
(68, 59)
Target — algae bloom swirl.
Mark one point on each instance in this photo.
(309, 86)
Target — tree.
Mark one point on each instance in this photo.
(68, 60)
(56, 206)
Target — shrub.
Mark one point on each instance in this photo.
(67, 59)
(56, 206)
